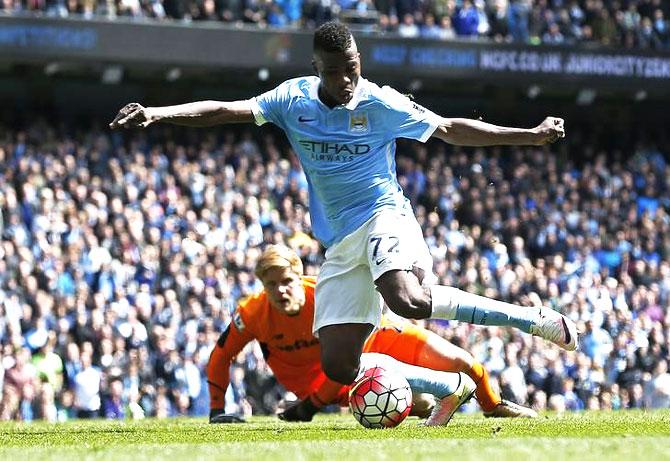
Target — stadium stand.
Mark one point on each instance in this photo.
(641, 24)
(123, 256)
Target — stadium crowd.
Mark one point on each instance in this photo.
(122, 256)
(619, 23)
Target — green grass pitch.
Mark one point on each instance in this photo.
(630, 435)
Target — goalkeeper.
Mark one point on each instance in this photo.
(280, 318)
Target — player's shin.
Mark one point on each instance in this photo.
(453, 304)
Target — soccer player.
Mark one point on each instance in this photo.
(343, 128)
(281, 317)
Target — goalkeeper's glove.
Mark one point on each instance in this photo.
(301, 411)
(219, 417)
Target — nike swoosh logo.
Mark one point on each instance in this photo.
(568, 337)
(305, 119)
(379, 261)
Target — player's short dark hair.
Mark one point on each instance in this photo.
(332, 37)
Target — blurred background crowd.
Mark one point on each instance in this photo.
(122, 256)
(618, 23)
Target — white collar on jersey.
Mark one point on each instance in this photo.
(358, 96)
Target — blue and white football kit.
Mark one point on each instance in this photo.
(359, 212)
(357, 207)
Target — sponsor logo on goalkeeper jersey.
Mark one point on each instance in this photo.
(298, 344)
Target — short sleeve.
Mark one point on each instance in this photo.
(271, 105)
(407, 119)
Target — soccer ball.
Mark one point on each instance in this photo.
(380, 398)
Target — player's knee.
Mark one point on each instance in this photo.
(411, 304)
(341, 348)
(404, 295)
(342, 375)
(461, 365)
(460, 359)
(339, 370)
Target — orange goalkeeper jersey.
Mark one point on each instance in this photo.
(289, 346)
(292, 351)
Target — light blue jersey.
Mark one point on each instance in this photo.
(347, 152)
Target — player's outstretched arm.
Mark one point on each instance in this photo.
(468, 132)
(195, 114)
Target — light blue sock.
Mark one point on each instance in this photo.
(453, 304)
(421, 380)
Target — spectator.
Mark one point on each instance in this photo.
(498, 20)
(430, 30)
(518, 15)
(87, 388)
(49, 365)
(236, 396)
(18, 388)
(466, 21)
(512, 380)
(659, 387)
(446, 30)
(553, 35)
(661, 28)
(46, 405)
(604, 28)
(596, 342)
(571, 401)
(113, 406)
(408, 28)
(65, 410)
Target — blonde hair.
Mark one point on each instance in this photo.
(278, 256)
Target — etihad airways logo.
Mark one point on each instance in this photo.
(333, 151)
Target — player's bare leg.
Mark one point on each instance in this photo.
(341, 349)
(405, 296)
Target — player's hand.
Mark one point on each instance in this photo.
(549, 131)
(133, 115)
(304, 410)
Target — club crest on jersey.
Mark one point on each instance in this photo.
(358, 122)
(237, 320)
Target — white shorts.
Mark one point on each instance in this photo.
(345, 288)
